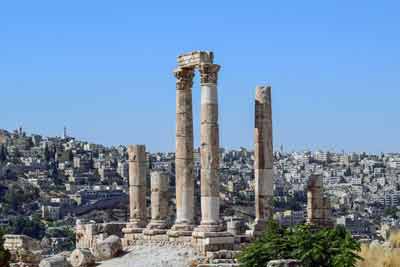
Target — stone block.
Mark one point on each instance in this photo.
(284, 263)
(195, 58)
(204, 242)
(55, 261)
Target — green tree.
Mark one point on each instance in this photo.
(32, 227)
(391, 212)
(16, 196)
(46, 153)
(271, 245)
(3, 153)
(323, 247)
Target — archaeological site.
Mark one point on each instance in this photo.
(195, 234)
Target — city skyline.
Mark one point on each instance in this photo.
(102, 71)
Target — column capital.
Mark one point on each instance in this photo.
(184, 74)
(209, 73)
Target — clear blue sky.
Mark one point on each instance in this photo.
(104, 69)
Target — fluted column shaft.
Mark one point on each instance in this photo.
(263, 154)
(137, 185)
(209, 150)
(184, 150)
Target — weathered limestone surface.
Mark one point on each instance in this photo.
(163, 254)
(184, 154)
(159, 204)
(137, 192)
(204, 242)
(284, 263)
(209, 149)
(318, 206)
(108, 248)
(81, 258)
(87, 235)
(263, 157)
(55, 261)
(195, 58)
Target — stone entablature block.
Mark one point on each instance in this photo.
(195, 59)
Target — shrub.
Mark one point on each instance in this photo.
(323, 247)
(381, 256)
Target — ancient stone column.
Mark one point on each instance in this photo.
(318, 206)
(209, 150)
(263, 157)
(159, 203)
(137, 187)
(184, 153)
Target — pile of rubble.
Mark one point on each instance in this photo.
(26, 252)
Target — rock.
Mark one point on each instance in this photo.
(55, 261)
(81, 258)
(108, 248)
(284, 263)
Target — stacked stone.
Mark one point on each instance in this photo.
(209, 150)
(318, 206)
(209, 235)
(263, 158)
(159, 204)
(184, 223)
(137, 192)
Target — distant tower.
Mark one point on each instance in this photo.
(65, 132)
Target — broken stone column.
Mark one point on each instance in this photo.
(81, 258)
(108, 248)
(184, 223)
(318, 206)
(159, 204)
(137, 191)
(263, 158)
(314, 200)
(55, 261)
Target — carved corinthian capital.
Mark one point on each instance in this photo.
(184, 78)
(209, 73)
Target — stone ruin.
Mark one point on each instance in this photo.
(318, 205)
(218, 243)
(25, 251)
(88, 235)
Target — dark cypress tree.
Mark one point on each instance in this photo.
(46, 153)
(3, 153)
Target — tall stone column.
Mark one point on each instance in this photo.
(184, 154)
(137, 192)
(263, 157)
(159, 204)
(209, 150)
(209, 235)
